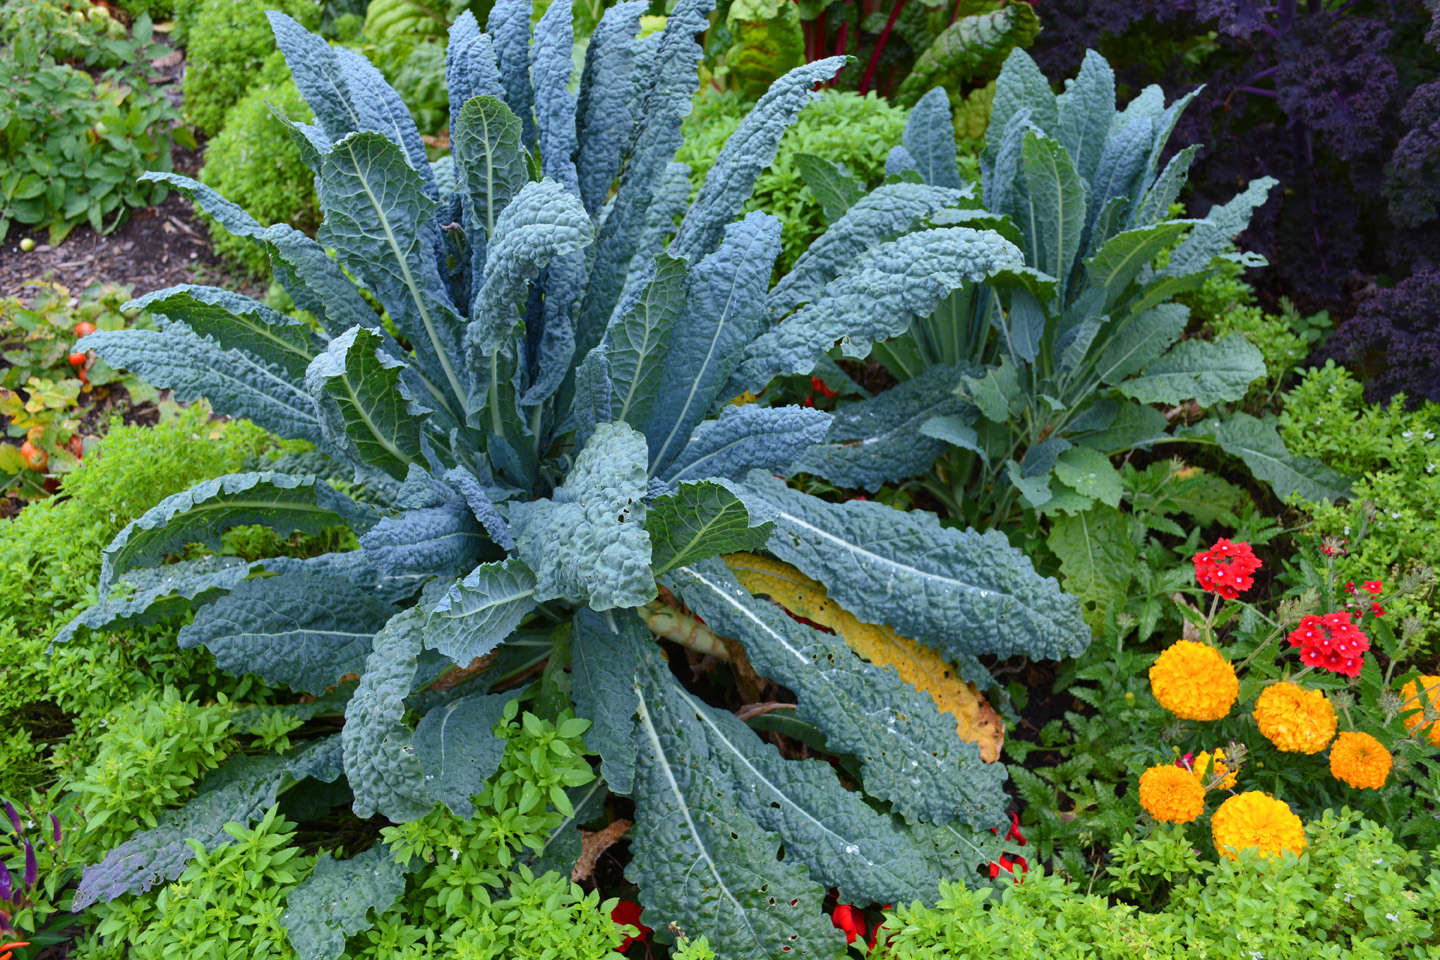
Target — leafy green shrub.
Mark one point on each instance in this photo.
(843, 128)
(254, 162)
(67, 32)
(525, 494)
(230, 42)
(1354, 894)
(41, 390)
(72, 145)
(1087, 332)
(51, 555)
(227, 904)
(1392, 522)
(148, 756)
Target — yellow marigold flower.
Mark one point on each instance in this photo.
(1204, 771)
(1411, 693)
(1171, 793)
(1194, 682)
(1295, 720)
(1256, 819)
(1360, 760)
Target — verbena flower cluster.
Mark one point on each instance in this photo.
(1226, 568)
(1331, 642)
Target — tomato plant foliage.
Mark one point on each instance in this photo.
(534, 442)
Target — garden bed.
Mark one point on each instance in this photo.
(921, 526)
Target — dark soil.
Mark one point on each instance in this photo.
(156, 247)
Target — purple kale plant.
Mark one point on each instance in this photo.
(1395, 339)
(1330, 98)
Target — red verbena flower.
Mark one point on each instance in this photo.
(1007, 863)
(1226, 568)
(817, 384)
(1376, 609)
(849, 919)
(628, 912)
(1373, 586)
(1331, 642)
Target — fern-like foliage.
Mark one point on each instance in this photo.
(533, 436)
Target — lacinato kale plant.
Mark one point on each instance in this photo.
(533, 440)
(1048, 368)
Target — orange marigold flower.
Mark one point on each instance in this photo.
(1171, 793)
(1411, 693)
(1294, 719)
(1256, 820)
(1360, 760)
(1204, 770)
(1194, 682)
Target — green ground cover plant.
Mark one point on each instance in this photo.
(51, 555)
(531, 464)
(1388, 528)
(1355, 893)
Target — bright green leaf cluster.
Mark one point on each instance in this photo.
(228, 904)
(1354, 895)
(150, 756)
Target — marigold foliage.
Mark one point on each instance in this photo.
(1331, 642)
(1258, 820)
(1294, 719)
(1171, 793)
(1360, 760)
(1194, 681)
(1413, 703)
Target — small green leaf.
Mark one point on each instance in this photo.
(1089, 472)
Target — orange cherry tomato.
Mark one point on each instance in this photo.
(34, 457)
(84, 328)
(78, 359)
